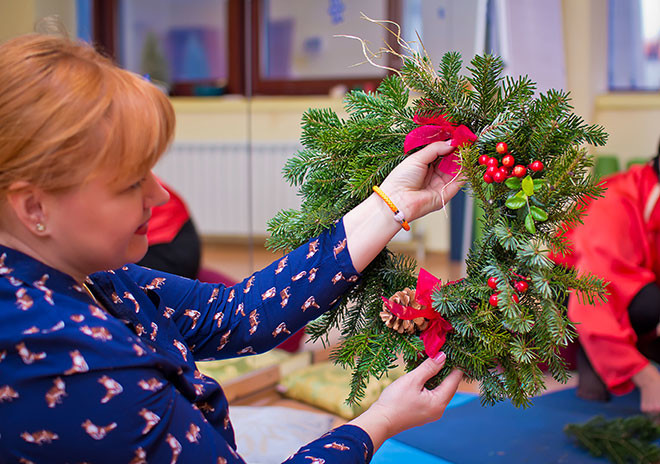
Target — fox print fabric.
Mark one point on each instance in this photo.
(108, 374)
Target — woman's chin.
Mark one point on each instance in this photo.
(136, 253)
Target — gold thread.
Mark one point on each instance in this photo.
(89, 292)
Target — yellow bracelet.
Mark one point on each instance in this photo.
(398, 215)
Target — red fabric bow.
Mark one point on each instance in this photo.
(435, 334)
(437, 129)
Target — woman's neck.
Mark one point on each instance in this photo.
(37, 251)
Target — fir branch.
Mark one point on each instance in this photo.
(516, 93)
(486, 79)
(622, 440)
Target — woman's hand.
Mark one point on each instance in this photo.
(417, 187)
(406, 403)
(648, 382)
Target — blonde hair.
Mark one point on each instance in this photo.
(68, 113)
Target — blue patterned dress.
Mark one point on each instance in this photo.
(112, 379)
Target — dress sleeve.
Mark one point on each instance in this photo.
(346, 444)
(132, 416)
(261, 311)
(617, 249)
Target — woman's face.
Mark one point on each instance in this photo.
(98, 226)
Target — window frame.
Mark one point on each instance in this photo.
(263, 86)
(104, 33)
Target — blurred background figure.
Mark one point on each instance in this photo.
(619, 242)
(174, 244)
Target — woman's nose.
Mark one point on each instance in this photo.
(156, 193)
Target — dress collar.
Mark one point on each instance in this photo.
(21, 268)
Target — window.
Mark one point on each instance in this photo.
(198, 47)
(634, 45)
(177, 43)
(183, 45)
(211, 47)
(297, 49)
(444, 26)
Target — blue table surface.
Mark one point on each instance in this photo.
(395, 452)
(469, 433)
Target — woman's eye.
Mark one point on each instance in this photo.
(136, 185)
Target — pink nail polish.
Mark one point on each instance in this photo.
(440, 357)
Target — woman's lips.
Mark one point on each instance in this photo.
(142, 230)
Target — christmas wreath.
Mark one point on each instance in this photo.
(524, 159)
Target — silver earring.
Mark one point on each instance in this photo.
(40, 227)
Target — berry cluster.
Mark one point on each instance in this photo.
(520, 286)
(498, 174)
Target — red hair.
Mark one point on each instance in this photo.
(67, 113)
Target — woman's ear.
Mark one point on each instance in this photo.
(25, 201)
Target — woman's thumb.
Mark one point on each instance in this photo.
(431, 152)
(429, 368)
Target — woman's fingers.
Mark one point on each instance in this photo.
(431, 152)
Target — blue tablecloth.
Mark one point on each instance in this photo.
(473, 434)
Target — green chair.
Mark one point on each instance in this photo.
(634, 161)
(606, 165)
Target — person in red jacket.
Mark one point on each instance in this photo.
(174, 244)
(619, 242)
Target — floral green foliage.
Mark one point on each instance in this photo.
(502, 346)
(624, 440)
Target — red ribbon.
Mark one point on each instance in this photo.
(435, 334)
(437, 129)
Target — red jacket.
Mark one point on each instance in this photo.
(166, 220)
(619, 242)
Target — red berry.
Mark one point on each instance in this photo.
(492, 162)
(506, 171)
(515, 298)
(508, 161)
(521, 286)
(536, 166)
(483, 159)
(492, 283)
(493, 299)
(501, 148)
(491, 170)
(499, 176)
(519, 171)
(488, 179)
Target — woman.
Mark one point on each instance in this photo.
(619, 338)
(98, 365)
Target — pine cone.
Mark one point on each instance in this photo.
(405, 297)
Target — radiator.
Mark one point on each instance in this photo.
(212, 177)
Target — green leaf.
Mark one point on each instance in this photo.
(538, 214)
(536, 201)
(515, 202)
(529, 224)
(513, 183)
(528, 186)
(521, 194)
(539, 184)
